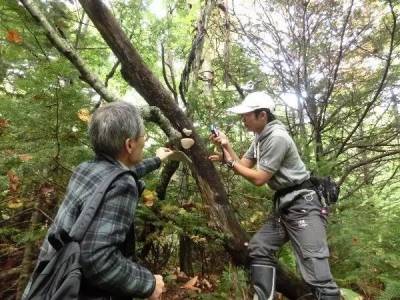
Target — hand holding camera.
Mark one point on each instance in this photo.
(214, 130)
(218, 137)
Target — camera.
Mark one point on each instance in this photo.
(214, 130)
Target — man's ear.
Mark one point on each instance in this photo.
(262, 115)
(129, 145)
(265, 115)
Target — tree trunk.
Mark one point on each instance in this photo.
(26, 265)
(367, 178)
(185, 254)
(312, 111)
(396, 111)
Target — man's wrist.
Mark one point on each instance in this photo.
(226, 145)
(230, 163)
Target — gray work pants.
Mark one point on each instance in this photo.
(303, 223)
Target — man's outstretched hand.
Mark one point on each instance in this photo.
(163, 153)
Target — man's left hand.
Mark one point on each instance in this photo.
(163, 153)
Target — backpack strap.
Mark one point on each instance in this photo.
(90, 208)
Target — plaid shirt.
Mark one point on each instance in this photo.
(104, 257)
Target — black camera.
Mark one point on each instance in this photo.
(214, 130)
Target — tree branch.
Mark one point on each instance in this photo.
(154, 114)
(149, 114)
(111, 73)
(381, 84)
(67, 50)
(332, 83)
(193, 60)
(166, 174)
(164, 72)
(350, 168)
(79, 30)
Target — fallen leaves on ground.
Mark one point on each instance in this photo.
(15, 203)
(25, 157)
(13, 181)
(84, 115)
(4, 123)
(13, 36)
(190, 285)
(149, 197)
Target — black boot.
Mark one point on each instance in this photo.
(327, 293)
(263, 280)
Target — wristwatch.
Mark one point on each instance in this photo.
(230, 163)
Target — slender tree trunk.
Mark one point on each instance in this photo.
(318, 143)
(396, 111)
(29, 255)
(312, 111)
(300, 108)
(365, 169)
(185, 254)
(207, 73)
(226, 44)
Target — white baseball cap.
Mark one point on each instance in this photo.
(252, 102)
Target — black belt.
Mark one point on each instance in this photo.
(307, 184)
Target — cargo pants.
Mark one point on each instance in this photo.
(302, 221)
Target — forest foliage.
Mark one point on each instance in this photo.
(332, 66)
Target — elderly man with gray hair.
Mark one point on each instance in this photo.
(117, 135)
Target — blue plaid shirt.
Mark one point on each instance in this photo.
(104, 256)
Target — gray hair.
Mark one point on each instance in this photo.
(111, 125)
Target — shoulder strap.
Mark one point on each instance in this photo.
(90, 208)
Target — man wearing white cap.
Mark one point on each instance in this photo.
(299, 215)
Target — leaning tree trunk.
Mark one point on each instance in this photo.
(139, 76)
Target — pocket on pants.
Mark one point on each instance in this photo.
(315, 260)
(316, 269)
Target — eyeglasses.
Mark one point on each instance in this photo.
(145, 137)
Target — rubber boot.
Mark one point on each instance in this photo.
(263, 280)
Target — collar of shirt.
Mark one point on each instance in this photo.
(123, 166)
